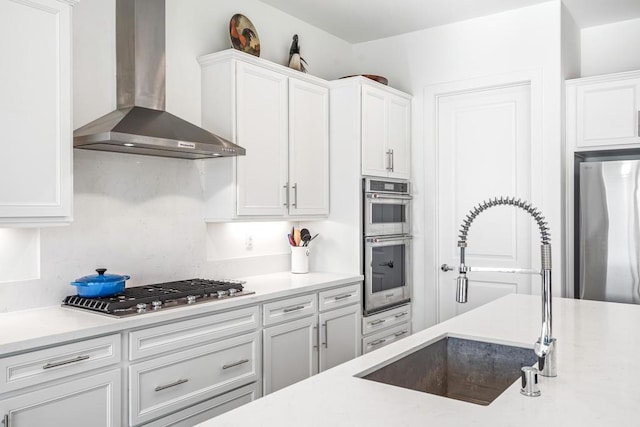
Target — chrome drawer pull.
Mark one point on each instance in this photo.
(65, 362)
(290, 309)
(162, 387)
(397, 334)
(377, 342)
(377, 322)
(231, 365)
(5, 420)
(342, 297)
(399, 315)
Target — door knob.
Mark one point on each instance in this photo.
(445, 268)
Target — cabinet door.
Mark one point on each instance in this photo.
(290, 353)
(339, 336)
(94, 401)
(308, 148)
(35, 110)
(261, 174)
(399, 143)
(375, 155)
(607, 113)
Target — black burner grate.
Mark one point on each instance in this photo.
(164, 292)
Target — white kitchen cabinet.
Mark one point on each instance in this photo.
(306, 342)
(386, 132)
(93, 400)
(281, 117)
(35, 111)
(384, 327)
(602, 112)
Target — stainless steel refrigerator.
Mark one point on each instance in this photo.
(609, 231)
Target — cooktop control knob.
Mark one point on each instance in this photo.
(156, 305)
(191, 299)
(221, 294)
(141, 307)
(232, 291)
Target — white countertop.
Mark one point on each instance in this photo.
(27, 329)
(597, 383)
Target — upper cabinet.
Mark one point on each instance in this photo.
(602, 111)
(35, 112)
(281, 117)
(382, 119)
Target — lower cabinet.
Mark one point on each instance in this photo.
(311, 342)
(89, 401)
(383, 328)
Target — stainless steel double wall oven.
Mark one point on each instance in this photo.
(387, 243)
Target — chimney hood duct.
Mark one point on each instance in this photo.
(140, 125)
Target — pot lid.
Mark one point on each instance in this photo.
(102, 278)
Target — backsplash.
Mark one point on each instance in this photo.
(141, 216)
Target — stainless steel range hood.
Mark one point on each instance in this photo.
(140, 125)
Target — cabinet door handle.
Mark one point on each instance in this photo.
(397, 334)
(399, 315)
(378, 342)
(231, 365)
(295, 195)
(286, 194)
(5, 420)
(391, 152)
(388, 159)
(377, 322)
(173, 384)
(296, 308)
(315, 336)
(65, 362)
(326, 335)
(338, 298)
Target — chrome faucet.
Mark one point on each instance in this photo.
(546, 345)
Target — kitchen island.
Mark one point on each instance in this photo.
(597, 382)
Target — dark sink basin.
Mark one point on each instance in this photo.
(473, 371)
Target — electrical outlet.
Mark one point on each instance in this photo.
(249, 242)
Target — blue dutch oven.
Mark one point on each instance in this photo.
(100, 285)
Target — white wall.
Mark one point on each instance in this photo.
(610, 48)
(524, 39)
(140, 215)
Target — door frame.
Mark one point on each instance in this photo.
(432, 94)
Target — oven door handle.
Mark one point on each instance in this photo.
(382, 196)
(402, 238)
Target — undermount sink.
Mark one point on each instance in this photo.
(462, 369)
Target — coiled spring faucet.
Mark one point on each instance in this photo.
(546, 345)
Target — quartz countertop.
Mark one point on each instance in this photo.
(597, 383)
(40, 327)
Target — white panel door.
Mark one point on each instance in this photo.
(35, 109)
(308, 148)
(262, 131)
(290, 353)
(374, 132)
(339, 336)
(484, 151)
(400, 137)
(607, 113)
(93, 400)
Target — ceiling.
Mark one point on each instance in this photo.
(363, 20)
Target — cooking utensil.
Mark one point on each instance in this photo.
(308, 241)
(291, 241)
(100, 285)
(296, 237)
(305, 236)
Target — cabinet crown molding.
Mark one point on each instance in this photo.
(604, 77)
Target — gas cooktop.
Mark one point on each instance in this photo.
(152, 298)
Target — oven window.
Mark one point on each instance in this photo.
(388, 267)
(383, 213)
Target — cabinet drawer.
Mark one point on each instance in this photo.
(211, 408)
(180, 335)
(289, 309)
(385, 319)
(340, 297)
(36, 367)
(385, 337)
(173, 382)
